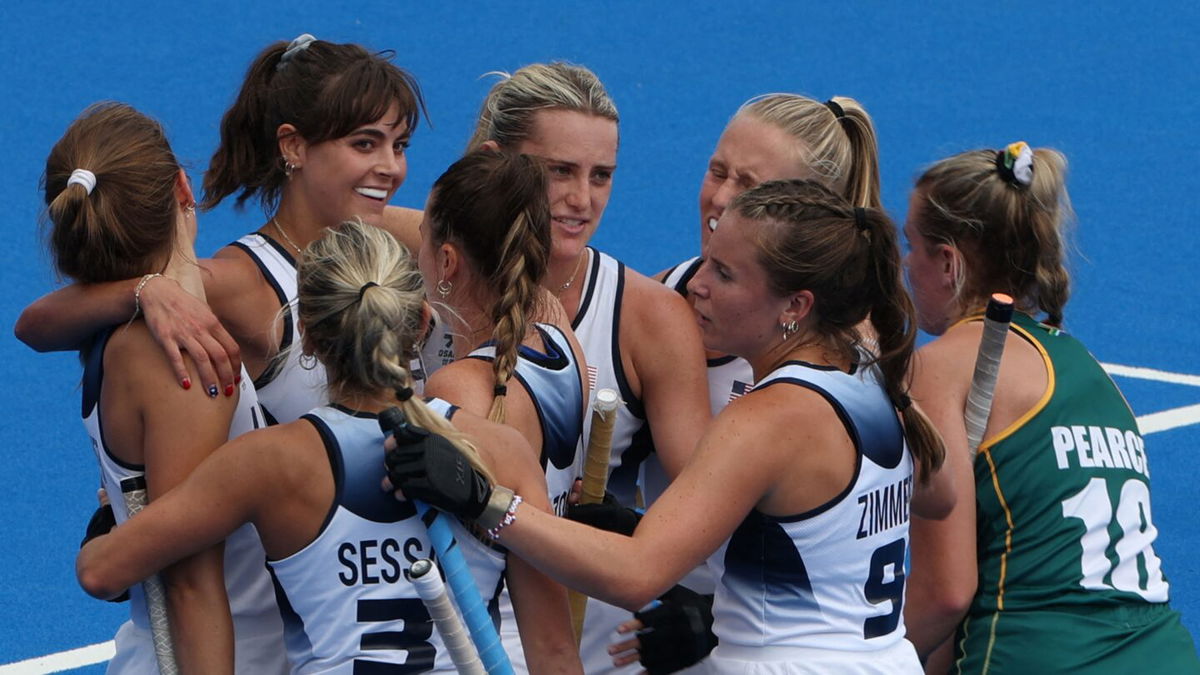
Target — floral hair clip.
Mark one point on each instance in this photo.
(1015, 164)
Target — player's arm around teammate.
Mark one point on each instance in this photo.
(288, 141)
(307, 486)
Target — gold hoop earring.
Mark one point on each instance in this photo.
(444, 287)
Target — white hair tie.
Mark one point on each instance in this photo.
(295, 47)
(83, 177)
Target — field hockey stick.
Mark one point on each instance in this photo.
(449, 625)
(133, 491)
(987, 368)
(595, 479)
(458, 575)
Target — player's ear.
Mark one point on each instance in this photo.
(951, 266)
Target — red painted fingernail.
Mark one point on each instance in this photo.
(237, 379)
(229, 390)
(187, 383)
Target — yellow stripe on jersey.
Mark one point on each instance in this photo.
(985, 450)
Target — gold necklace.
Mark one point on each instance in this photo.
(578, 263)
(299, 251)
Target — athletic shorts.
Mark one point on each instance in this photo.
(1133, 638)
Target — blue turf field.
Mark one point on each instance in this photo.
(1111, 85)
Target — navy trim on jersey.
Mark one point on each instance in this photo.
(588, 292)
(450, 412)
(681, 285)
(329, 440)
(295, 635)
(632, 402)
(93, 380)
(806, 364)
(273, 365)
(721, 360)
(851, 430)
(354, 413)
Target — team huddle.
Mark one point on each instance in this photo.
(790, 486)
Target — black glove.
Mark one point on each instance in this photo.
(428, 467)
(677, 633)
(608, 515)
(101, 523)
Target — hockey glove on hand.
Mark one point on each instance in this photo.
(428, 467)
(608, 515)
(677, 633)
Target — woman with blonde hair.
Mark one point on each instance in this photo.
(638, 337)
(1047, 562)
(337, 547)
(800, 492)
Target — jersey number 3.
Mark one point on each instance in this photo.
(418, 628)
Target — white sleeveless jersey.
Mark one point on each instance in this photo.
(551, 378)
(257, 628)
(597, 327)
(830, 579)
(347, 601)
(285, 389)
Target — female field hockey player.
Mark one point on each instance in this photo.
(638, 337)
(770, 137)
(800, 490)
(1047, 562)
(337, 547)
(485, 246)
(120, 206)
(317, 134)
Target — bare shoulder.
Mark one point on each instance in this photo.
(466, 383)
(652, 300)
(404, 224)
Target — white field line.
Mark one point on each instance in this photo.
(1151, 374)
(57, 663)
(1166, 419)
(1149, 424)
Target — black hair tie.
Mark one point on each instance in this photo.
(403, 394)
(363, 291)
(500, 390)
(836, 109)
(903, 402)
(860, 219)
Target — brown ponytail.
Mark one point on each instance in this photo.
(848, 258)
(325, 90)
(126, 226)
(493, 206)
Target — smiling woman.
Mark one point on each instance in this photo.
(317, 135)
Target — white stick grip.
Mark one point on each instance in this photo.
(133, 491)
(987, 369)
(458, 641)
